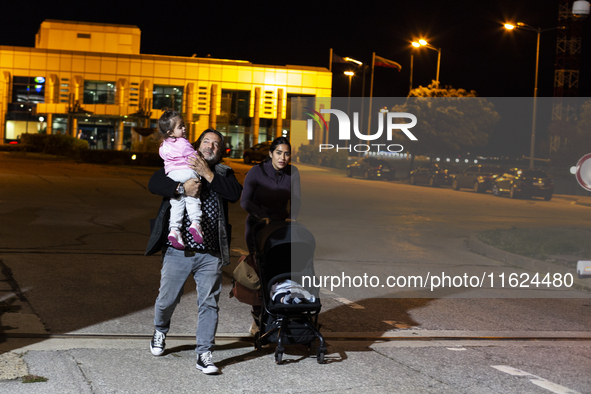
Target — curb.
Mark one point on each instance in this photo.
(526, 263)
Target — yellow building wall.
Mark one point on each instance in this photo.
(111, 54)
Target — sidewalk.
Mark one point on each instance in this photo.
(87, 363)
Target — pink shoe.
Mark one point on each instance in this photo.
(195, 231)
(176, 239)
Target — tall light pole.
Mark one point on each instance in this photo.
(411, 69)
(520, 25)
(423, 43)
(350, 75)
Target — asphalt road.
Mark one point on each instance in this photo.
(73, 237)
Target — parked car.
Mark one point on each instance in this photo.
(372, 168)
(259, 152)
(523, 182)
(435, 174)
(478, 177)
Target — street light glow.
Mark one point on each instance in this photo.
(349, 73)
(424, 43)
(350, 59)
(509, 26)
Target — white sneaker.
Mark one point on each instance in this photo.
(205, 364)
(157, 344)
(196, 232)
(176, 239)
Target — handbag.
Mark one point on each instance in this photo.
(246, 283)
(245, 273)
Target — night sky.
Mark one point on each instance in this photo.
(477, 53)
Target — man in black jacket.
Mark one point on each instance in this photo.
(204, 261)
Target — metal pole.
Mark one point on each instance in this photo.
(362, 103)
(533, 126)
(411, 68)
(349, 100)
(349, 104)
(438, 64)
(373, 61)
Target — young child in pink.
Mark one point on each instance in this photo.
(174, 150)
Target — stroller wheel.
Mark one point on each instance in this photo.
(320, 358)
(320, 355)
(278, 356)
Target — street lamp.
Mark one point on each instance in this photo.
(520, 25)
(350, 75)
(415, 45)
(423, 43)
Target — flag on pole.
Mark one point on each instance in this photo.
(381, 62)
(338, 59)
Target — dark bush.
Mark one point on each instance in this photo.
(54, 144)
(334, 159)
(13, 148)
(310, 154)
(145, 159)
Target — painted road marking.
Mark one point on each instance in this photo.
(538, 381)
(342, 300)
(398, 324)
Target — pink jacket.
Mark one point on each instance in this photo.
(174, 152)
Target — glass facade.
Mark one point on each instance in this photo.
(99, 92)
(99, 132)
(21, 116)
(168, 97)
(59, 124)
(28, 90)
(233, 120)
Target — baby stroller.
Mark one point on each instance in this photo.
(285, 250)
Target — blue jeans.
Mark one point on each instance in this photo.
(207, 272)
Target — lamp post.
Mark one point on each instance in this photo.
(520, 25)
(423, 43)
(350, 75)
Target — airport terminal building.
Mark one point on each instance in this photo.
(90, 80)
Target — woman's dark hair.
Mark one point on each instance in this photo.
(279, 141)
(168, 121)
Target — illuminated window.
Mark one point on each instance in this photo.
(99, 92)
(168, 96)
(235, 105)
(28, 90)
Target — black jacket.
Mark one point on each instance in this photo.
(224, 183)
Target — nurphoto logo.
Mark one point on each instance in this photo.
(393, 120)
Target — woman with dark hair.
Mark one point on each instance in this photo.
(271, 193)
(271, 190)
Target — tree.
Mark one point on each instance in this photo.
(449, 120)
(577, 139)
